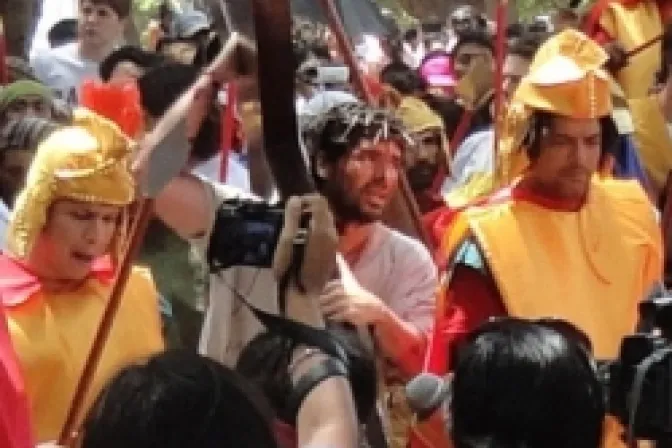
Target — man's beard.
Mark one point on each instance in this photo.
(421, 176)
(345, 208)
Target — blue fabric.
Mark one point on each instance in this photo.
(628, 165)
(470, 255)
(165, 307)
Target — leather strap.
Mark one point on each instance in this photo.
(326, 369)
(298, 333)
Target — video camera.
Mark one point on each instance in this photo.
(246, 233)
(638, 385)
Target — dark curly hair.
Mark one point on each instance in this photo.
(541, 121)
(337, 132)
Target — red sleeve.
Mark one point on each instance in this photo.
(473, 299)
(601, 36)
(435, 223)
(15, 428)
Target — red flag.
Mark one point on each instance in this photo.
(4, 72)
(229, 128)
(500, 55)
(592, 22)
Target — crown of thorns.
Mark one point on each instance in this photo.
(342, 120)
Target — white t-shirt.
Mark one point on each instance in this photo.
(63, 70)
(413, 56)
(474, 156)
(394, 267)
(237, 174)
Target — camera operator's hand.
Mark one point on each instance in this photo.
(319, 260)
(327, 413)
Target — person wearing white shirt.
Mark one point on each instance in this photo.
(100, 28)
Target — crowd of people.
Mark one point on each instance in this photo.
(538, 162)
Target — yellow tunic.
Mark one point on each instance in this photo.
(633, 26)
(653, 140)
(53, 333)
(590, 267)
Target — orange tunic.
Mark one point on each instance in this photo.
(591, 267)
(611, 250)
(52, 334)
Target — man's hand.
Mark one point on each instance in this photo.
(235, 62)
(319, 259)
(345, 300)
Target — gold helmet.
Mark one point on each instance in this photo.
(87, 161)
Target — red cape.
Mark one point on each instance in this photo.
(18, 284)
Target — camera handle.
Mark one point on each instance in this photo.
(295, 264)
(297, 332)
(636, 392)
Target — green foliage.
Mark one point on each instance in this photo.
(401, 16)
(530, 8)
(144, 11)
(145, 6)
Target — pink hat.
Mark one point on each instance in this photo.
(437, 71)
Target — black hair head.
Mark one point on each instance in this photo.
(174, 400)
(524, 384)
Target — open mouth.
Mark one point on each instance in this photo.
(375, 202)
(84, 258)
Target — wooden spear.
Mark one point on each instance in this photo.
(165, 152)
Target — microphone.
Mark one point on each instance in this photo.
(426, 393)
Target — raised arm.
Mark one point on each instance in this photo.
(327, 416)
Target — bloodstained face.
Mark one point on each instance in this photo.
(362, 183)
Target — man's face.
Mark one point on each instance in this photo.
(99, 25)
(29, 106)
(461, 25)
(362, 184)
(467, 55)
(125, 71)
(570, 154)
(424, 159)
(515, 67)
